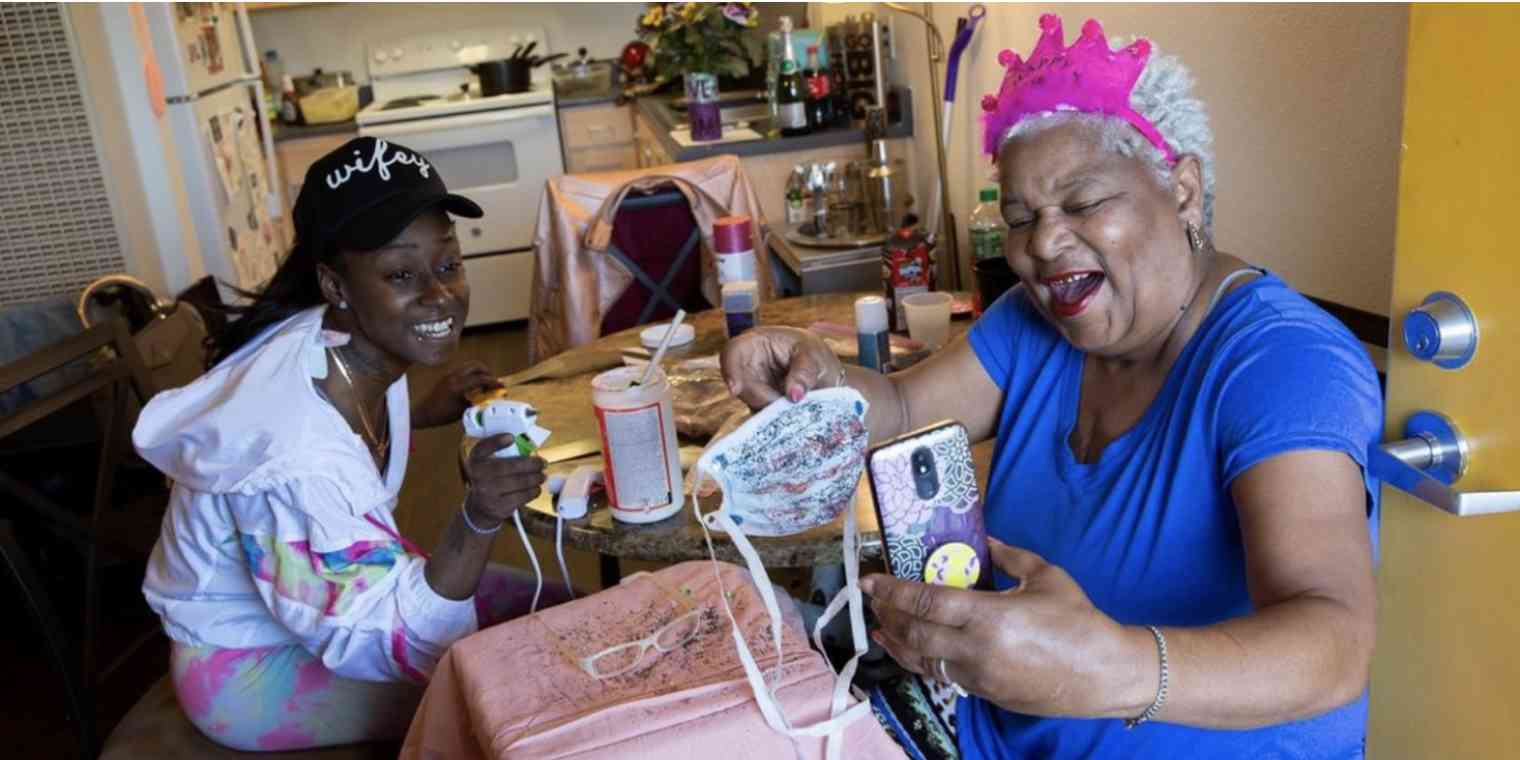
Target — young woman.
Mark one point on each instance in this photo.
(299, 615)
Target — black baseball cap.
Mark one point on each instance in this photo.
(364, 194)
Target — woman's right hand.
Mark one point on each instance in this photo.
(499, 487)
(764, 363)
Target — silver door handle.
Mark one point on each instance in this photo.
(1425, 463)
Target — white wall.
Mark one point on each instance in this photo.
(332, 36)
(1306, 104)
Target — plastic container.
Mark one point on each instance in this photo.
(651, 336)
(641, 461)
(740, 300)
(330, 105)
(929, 318)
(907, 267)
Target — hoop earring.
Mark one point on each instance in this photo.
(1195, 238)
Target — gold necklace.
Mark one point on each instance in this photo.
(379, 446)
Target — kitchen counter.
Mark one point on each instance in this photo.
(289, 132)
(664, 119)
(590, 99)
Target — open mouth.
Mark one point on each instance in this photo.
(1070, 293)
(437, 330)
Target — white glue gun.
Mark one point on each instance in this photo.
(502, 416)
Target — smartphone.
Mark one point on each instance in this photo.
(930, 508)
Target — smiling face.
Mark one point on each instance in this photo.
(1100, 244)
(407, 299)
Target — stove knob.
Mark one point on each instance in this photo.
(454, 45)
(397, 53)
(380, 56)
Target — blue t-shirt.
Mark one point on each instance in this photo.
(1149, 531)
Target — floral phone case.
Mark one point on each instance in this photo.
(932, 528)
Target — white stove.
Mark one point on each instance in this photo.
(406, 108)
(498, 150)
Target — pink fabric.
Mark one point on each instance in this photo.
(517, 690)
(1086, 77)
(575, 281)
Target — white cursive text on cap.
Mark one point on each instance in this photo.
(379, 163)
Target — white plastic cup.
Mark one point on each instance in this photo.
(928, 318)
(641, 461)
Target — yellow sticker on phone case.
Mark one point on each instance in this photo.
(954, 564)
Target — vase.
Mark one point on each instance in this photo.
(702, 107)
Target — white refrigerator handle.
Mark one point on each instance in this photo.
(274, 199)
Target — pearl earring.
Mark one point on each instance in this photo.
(343, 305)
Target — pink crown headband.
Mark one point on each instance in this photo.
(1086, 78)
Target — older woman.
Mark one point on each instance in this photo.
(1178, 499)
(300, 616)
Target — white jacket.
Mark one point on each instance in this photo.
(279, 529)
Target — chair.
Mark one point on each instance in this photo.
(54, 638)
(157, 729)
(656, 236)
(577, 282)
(55, 430)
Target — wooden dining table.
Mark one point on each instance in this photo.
(565, 408)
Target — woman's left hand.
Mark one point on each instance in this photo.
(448, 400)
(1040, 648)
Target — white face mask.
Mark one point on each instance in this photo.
(790, 468)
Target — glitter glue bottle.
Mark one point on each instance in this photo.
(739, 301)
(871, 333)
(734, 245)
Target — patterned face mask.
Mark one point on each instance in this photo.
(790, 468)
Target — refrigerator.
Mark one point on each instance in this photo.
(192, 112)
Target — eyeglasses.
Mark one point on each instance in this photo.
(615, 661)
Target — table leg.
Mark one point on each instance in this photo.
(611, 571)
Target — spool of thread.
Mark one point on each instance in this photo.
(872, 337)
(734, 245)
(740, 300)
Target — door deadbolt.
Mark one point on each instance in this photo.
(1442, 331)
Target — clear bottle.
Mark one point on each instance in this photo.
(791, 91)
(290, 106)
(796, 196)
(987, 227)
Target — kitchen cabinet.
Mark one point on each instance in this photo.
(598, 137)
(650, 150)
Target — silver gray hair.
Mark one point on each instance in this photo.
(1164, 96)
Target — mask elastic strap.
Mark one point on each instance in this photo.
(849, 595)
(559, 552)
(538, 575)
(770, 707)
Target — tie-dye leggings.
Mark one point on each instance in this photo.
(282, 698)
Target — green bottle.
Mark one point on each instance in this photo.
(987, 227)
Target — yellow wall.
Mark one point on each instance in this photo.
(1305, 102)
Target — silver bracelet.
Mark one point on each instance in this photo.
(1150, 712)
(465, 513)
